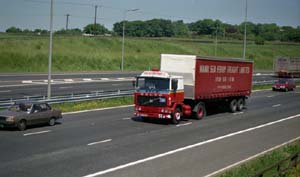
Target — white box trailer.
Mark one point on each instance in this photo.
(287, 66)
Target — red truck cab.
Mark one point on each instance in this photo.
(156, 95)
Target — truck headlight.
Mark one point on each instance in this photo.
(10, 119)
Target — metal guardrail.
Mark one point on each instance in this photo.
(70, 98)
(282, 166)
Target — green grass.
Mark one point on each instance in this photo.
(76, 53)
(87, 105)
(256, 165)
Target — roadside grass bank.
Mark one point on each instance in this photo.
(94, 104)
(259, 164)
(23, 53)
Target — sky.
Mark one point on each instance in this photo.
(33, 14)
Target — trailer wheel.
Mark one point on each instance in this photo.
(176, 116)
(233, 105)
(240, 104)
(201, 111)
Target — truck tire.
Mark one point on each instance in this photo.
(233, 106)
(176, 116)
(240, 104)
(200, 111)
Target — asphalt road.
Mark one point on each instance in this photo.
(93, 142)
(14, 86)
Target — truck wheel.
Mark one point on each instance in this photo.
(21, 125)
(201, 111)
(240, 104)
(176, 116)
(145, 119)
(233, 105)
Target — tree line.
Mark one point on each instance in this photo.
(167, 28)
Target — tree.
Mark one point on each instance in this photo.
(75, 31)
(98, 29)
(13, 30)
(180, 29)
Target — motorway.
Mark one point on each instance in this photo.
(113, 143)
(14, 86)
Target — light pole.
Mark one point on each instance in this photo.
(50, 52)
(245, 30)
(123, 39)
(216, 41)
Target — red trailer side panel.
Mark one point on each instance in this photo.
(222, 78)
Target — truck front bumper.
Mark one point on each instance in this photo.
(153, 115)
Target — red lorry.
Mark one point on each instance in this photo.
(186, 84)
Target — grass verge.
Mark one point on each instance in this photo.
(94, 104)
(254, 166)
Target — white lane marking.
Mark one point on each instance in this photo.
(270, 96)
(276, 105)
(99, 142)
(65, 87)
(188, 147)
(180, 125)
(92, 110)
(26, 82)
(87, 79)
(68, 80)
(5, 91)
(105, 79)
(126, 118)
(36, 133)
(237, 113)
(47, 81)
(250, 158)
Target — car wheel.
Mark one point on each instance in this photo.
(52, 121)
(22, 125)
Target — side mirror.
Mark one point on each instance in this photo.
(133, 83)
(174, 84)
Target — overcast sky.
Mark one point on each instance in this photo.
(34, 14)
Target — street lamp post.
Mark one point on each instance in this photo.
(216, 41)
(50, 52)
(123, 38)
(245, 30)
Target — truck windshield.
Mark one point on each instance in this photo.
(151, 83)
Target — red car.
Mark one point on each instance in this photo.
(284, 84)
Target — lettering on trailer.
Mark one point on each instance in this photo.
(224, 69)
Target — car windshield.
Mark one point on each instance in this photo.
(19, 107)
(153, 83)
(282, 81)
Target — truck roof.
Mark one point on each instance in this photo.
(196, 57)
